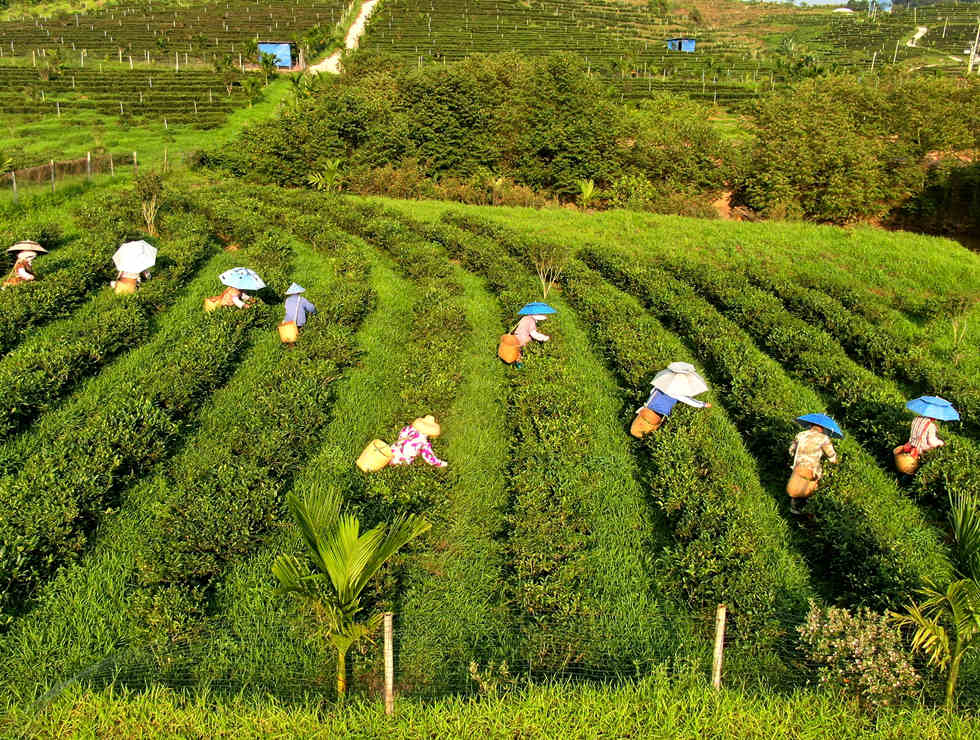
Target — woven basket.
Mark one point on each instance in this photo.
(374, 457)
(644, 422)
(288, 332)
(802, 484)
(125, 286)
(509, 349)
(212, 303)
(906, 463)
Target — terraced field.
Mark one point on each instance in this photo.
(146, 447)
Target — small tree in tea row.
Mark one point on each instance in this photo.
(549, 263)
(343, 562)
(947, 623)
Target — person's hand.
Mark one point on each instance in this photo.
(545, 339)
(707, 405)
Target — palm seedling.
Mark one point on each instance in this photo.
(341, 562)
(947, 623)
(586, 192)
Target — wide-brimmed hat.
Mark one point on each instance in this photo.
(536, 309)
(679, 379)
(27, 246)
(822, 420)
(295, 288)
(428, 426)
(933, 407)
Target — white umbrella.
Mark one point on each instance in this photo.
(135, 256)
(679, 379)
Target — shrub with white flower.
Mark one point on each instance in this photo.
(860, 653)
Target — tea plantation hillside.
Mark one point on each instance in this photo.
(147, 448)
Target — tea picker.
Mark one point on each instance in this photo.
(238, 280)
(678, 383)
(413, 441)
(297, 309)
(509, 349)
(22, 271)
(923, 435)
(133, 261)
(808, 450)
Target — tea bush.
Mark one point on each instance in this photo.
(867, 536)
(695, 469)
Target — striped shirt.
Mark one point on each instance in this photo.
(923, 436)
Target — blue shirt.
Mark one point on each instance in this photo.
(298, 308)
(660, 403)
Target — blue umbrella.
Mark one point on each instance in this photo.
(821, 420)
(934, 407)
(536, 308)
(242, 278)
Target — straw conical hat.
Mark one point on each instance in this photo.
(428, 426)
(27, 246)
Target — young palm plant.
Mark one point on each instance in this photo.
(947, 623)
(342, 561)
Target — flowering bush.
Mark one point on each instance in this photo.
(860, 653)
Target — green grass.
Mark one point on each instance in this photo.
(656, 707)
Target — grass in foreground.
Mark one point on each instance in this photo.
(651, 708)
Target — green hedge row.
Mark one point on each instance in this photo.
(729, 544)
(581, 542)
(55, 294)
(225, 491)
(867, 535)
(61, 477)
(41, 370)
(882, 351)
(873, 409)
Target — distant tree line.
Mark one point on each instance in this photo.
(511, 130)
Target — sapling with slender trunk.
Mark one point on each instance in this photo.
(341, 562)
(549, 263)
(149, 190)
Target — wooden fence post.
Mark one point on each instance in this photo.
(389, 664)
(112, 166)
(719, 646)
(136, 167)
(52, 175)
(88, 165)
(13, 179)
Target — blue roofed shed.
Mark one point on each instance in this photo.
(681, 44)
(282, 51)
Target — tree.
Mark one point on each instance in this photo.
(149, 190)
(342, 561)
(549, 263)
(329, 178)
(269, 64)
(947, 623)
(586, 192)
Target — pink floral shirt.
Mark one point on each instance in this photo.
(412, 443)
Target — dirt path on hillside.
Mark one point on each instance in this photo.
(920, 31)
(332, 63)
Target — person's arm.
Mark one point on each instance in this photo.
(829, 451)
(430, 457)
(932, 437)
(24, 273)
(239, 300)
(310, 308)
(693, 402)
(792, 446)
(535, 334)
